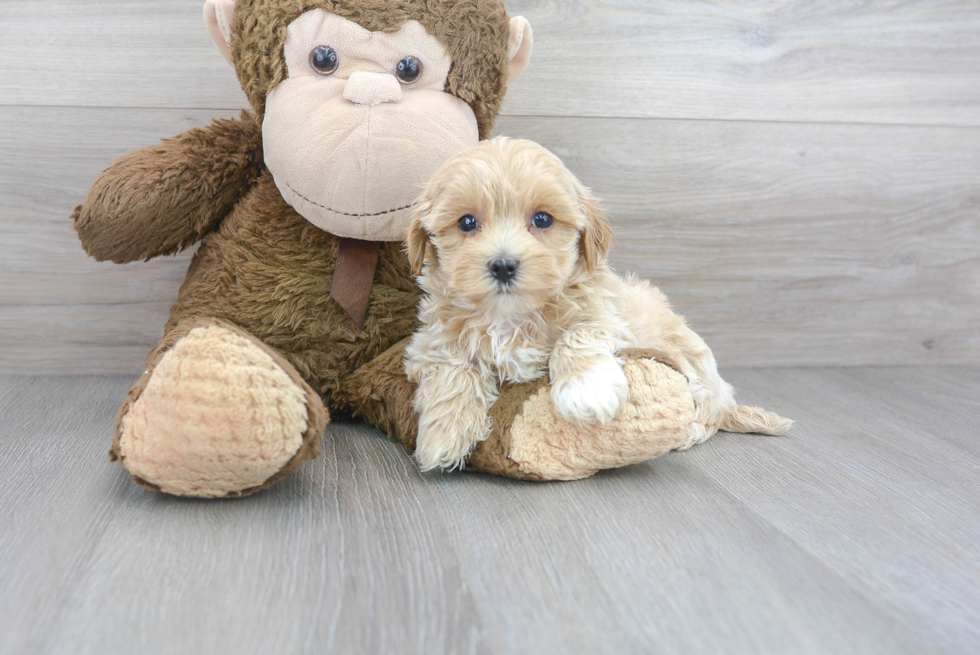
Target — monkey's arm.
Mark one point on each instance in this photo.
(528, 439)
(161, 199)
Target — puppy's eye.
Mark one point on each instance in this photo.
(324, 60)
(543, 220)
(408, 70)
(467, 223)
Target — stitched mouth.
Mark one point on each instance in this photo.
(336, 211)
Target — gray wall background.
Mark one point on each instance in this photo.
(802, 178)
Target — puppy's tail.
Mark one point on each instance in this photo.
(754, 419)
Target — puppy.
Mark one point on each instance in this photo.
(511, 252)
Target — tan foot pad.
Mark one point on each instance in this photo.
(218, 415)
(656, 418)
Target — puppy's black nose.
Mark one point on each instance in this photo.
(504, 269)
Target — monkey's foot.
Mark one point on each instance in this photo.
(531, 440)
(220, 414)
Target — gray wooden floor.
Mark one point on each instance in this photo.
(857, 533)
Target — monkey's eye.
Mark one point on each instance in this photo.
(543, 220)
(324, 60)
(467, 223)
(408, 70)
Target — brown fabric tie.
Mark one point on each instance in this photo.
(354, 275)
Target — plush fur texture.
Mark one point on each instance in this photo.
(656, 416)
(176, 439)
(162, 199)
(269, 271)
(219, 415)
(475, 33)
(564, 311)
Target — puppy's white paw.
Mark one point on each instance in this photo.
(593, 397)
(445, 442)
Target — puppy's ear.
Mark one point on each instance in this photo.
(416, 243)
(597, 237)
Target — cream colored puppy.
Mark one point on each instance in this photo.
(511, 252)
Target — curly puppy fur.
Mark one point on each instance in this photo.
(564, 312)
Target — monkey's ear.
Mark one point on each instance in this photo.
(416, 243)
(519, 46)
(219, 16)
(597, 237)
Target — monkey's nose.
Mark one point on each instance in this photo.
(372, 88)
(504, 270)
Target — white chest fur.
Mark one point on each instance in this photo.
(517, 347)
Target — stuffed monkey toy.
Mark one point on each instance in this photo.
(300, 297)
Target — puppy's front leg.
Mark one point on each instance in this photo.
(587, 380)
(453, 403)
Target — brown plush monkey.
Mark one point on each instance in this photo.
(300, 297)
